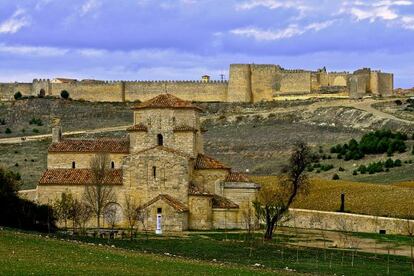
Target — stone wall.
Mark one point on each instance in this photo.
(295, 82)
(239, 89)
(7, 90)
(82, 160)
(171, 220)
(200, 215)
(226, 219)
(265, 81)
(385, 84)
(310, 219)
(210, 180)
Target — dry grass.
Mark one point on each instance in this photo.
(394, 200)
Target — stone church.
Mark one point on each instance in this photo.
(162, 163)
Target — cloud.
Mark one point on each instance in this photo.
(89, 6)
(288, 32)
(18, 20)
(32, 50)
(386, 10)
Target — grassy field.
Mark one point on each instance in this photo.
(363, 198)
(22, 254)
(205, 253)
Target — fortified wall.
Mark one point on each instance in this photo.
(247, 83)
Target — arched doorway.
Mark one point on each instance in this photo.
(42, 93)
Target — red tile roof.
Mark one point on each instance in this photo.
(237, 177)
(77, 177)
(97, 145)
(138, 127)
(166, 101)
(224, 203)
(206, 162)
(184, 128)
(173, 202)
(194, 190)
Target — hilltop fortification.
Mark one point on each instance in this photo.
(247, 83)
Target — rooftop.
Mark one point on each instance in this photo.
(87, 145)
(206, 162)
(237, 177)
(173, 202)
(77, 177)
(166, 101)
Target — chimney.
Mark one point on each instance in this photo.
(56, 130)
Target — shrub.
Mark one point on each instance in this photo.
(335, 177)
(355, 172)
(36, 121)
(397, 163)
(8, 131)
(389, 163)
(64, 94)
(2, 122)
(16, 165)
(18, 95)
(398, 102)
(35, 130)
(341, 169)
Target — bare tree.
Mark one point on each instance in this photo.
(63, 207)
(84, 215)
(110, 214)
(274, 200)
(409, 230)
(130, 212)
(99, 193)
(142, 216)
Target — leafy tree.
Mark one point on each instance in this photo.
(335, 176)
(18, 95)
(64, 94)
(8, 131)
(275, 199)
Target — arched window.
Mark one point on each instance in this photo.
(160, 140)
(73, 165)
(112, 165)
(154, 172)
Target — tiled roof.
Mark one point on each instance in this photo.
(167, 149)
(207, 162)
(222, 202)
(237, 177)
(96, 145)
(77, 177)
(184, 128)
(138, 127)
(166, 101)
(173, 202)
(194, 190)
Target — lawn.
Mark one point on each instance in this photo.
(22, 254)
(205, 253)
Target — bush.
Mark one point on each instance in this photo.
(64, 94)
(8, 131)
(18, 95)
(36, 121)
(35, 130)
(355, 172)
(2, 122)
(389, 163)
(398, 102)
(335, 177)
(341, 169)
(397, 163)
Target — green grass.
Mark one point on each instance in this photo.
(232, 248)
(22, 254)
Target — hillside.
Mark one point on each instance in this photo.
(254, 137)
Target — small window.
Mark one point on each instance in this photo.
(159, 210)
(112, 165)
(154, 172)
(73, 165)
(160, 140)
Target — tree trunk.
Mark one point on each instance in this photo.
(98, 221)
(269, 231)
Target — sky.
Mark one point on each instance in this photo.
(185, 39)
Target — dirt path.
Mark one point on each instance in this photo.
(14, 140)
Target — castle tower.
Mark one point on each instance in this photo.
(169, 122)
(56, 130)
(239, 89)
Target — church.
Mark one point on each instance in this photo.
(161, 162)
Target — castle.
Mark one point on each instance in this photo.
(161, 163)
(247, 83)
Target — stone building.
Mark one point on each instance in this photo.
(161, 163)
